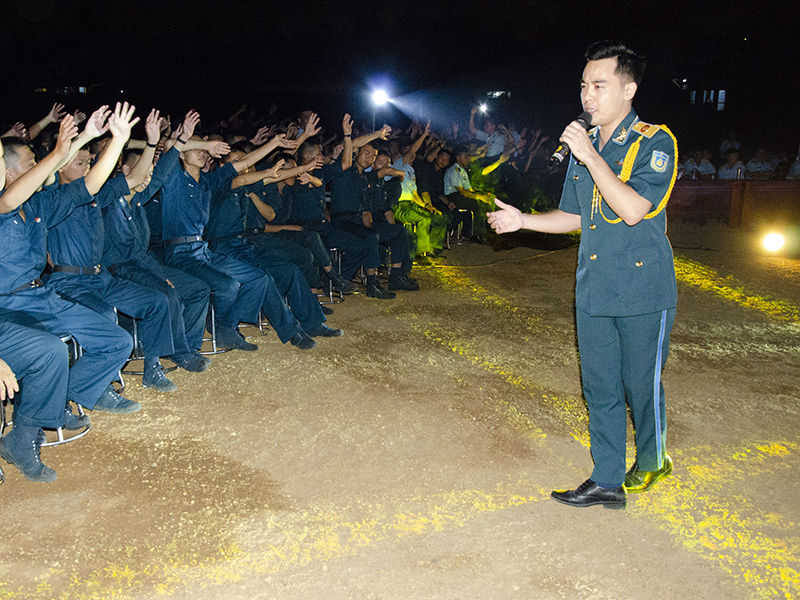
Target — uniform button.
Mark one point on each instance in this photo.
(592, 226)
(575, 178)
(593, 257)
(638, 263)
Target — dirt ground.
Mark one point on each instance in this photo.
(413, 458)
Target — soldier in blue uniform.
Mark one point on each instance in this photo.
(127, 237)
(76, 249)
(225, 228)
(24, 221)
(618, 183)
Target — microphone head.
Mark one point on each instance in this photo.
(585, 119)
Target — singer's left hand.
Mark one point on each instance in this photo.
(579, 143)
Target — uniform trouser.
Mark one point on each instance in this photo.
(355, 227)
(355, 250)
(106, 346)
(270, 247)
(104, 292)
(40, 362)
(188, 302)
(477, 208)
(311, 241)
(431, 227)
(237, 291)
(272, 303)
(624, 357)
(396, 237)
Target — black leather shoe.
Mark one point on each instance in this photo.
(591, 494)
(378, 291)
(637, 481)
(303, 341)
(400, 282)
(322, 330)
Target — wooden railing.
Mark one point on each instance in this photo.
(739, 203)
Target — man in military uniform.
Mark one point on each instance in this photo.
(616, 190)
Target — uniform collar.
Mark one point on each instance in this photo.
(622, 132)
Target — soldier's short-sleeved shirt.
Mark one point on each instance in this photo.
(625, 270)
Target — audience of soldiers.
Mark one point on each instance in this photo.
(194, 227)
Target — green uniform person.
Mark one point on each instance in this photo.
(618, 182)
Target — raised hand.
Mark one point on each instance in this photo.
(218, 149)
(347, 125)
(96, 125)
(190, 121)
(17, 130)
(79, 117)
(121, 122)
(56, 113)
(272, 172)
(312, 127)
(385, 132)
(337, 151)
(152, 127)
(66, 132)
(262, 135)
(281, 141)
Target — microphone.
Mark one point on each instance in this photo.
(585, 119)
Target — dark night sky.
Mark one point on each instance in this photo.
(440, 56)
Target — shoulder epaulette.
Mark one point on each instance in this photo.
(646, 129)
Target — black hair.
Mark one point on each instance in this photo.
(461, 149)
(243, 146)
(11, 147)
(630, 66)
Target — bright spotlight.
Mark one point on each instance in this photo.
(773, 242)
(379, 97)
(484, 108)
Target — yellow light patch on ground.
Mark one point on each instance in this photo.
(696, 504)
(299, 538)
(707, 279)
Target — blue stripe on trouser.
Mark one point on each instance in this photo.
(657, 389)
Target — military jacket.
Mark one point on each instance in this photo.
(625, 270)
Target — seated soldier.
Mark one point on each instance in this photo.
(236, 288)
(270, 212)
(351, 212)
(127, 237)
(41, 361)
(413, 209)
(224, 231)
(733, 167)
(308, 210)
(76, 246)
(391, 234)
(459, 191)
(25, 216)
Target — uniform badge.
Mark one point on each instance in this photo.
(659, 161)
(622, 135)
(37, 220)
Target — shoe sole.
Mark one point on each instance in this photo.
(134, 407)
(164, 389)
(659, 477)
(618, 505)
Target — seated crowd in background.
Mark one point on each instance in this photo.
(100, 228)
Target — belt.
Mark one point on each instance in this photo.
(77, 270)
(36, 283)
(183, 240)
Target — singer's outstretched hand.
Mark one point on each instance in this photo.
(505, 220)
(577, 139)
